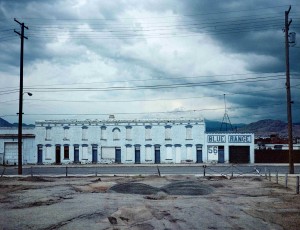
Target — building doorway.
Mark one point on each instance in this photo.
(95, 154)
(137, 154)
(118, 155)
(76, 153)
(239, 154)
(57, 154)
(40, 155)
(221, 154)
(199, 154)
(157, 155)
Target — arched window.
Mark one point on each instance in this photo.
(116, 133)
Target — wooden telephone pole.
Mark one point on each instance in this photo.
(288, 91)
(20, 158)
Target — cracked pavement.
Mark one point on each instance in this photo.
(91, 203)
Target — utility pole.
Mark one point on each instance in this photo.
(288, 91)
(20, 158)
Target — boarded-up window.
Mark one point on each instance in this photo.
(128, 132)
(116, 133)
(177, 153)
(84, 132)
(129, 152)
(108, 152)
(189, 135)
(84, 152)
(66, 133)
(148, 133)
(148, 155)
(48, 152)
(169, 152)
(48, 133)
(189, 155)
(103, 133)
(168, 132)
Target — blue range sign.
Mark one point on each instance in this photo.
(239, 138)
(216, 138)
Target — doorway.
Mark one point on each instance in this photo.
(118, 155)
(157, 155)
(95, 154)
(199, 154)
(40, 155)
(137, 153)
(221, 154)
(57, 154)
(76, 154)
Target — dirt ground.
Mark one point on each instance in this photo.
(151, 202)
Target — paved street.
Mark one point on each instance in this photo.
(146, 169)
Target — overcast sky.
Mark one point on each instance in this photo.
(85, 59)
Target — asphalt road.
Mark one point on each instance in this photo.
(38, 170)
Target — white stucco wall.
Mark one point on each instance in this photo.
(226, 140)
(138, 137)
(8, 136)
(148, 135)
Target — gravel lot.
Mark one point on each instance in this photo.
(152, 202)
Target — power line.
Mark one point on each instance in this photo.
(166, 86)
(135, 113)
(160, 79)
(146, 100)
(152, 87)
(184, 15)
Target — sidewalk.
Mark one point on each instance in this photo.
(99, 165)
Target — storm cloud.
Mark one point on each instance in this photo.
(139, 59)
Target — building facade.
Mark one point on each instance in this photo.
(120, 141)
(125, 141)
(230, 147)
(9, 146)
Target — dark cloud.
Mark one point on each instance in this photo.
(114, 38)
(240, 29)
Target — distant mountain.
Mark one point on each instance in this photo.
(4, 123)
(262, 128)
(215, 126)
(267, 127)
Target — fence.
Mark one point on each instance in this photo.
(229, 171)
(275, 156)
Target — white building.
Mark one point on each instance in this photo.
(125, 141)
(230, 147)
(9, 146)
(120, 141)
